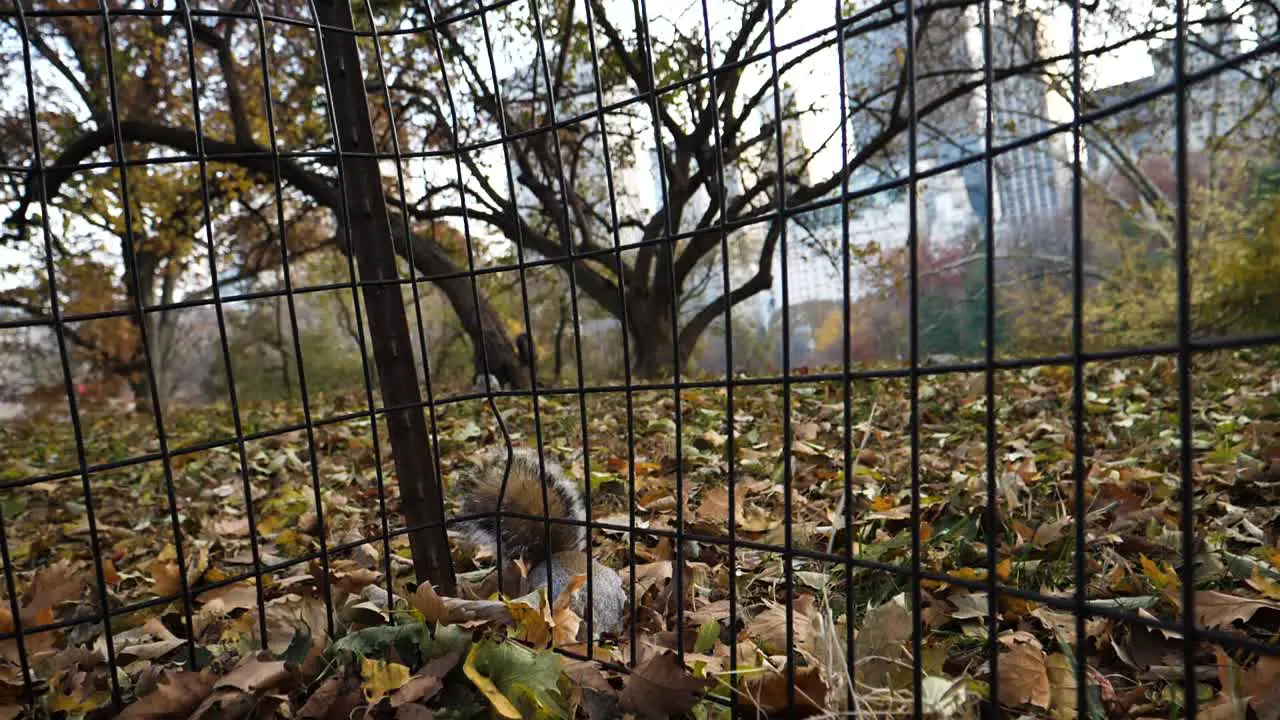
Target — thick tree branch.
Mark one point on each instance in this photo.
(759, 282)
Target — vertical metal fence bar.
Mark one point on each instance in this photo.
(622, 298)
(500, 109)
(153, 387)
(992, 535)
(846, 360)
(619, 270)
(344, 223)
(645, 39)
(731, 448)
(788, 508)
(202, 162)
(39, 178)
(566, 239)
(913, 261)
(1186, 488)
(268, 104)
(1078, 366)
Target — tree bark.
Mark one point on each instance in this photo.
(652, 342)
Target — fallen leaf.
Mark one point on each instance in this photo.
(165, 577)
(499, 701)
(1215, 609)
(254, 675)
(531, 618)
(1161, 575)
(426, 601)
(1263, 584)
(1023, 676)
(768, 690)
(232, 527)
(1049, 533)
(1062, 687)
(427, 681)
(336, 699)
(176, 695)
(237, 596)
(660, 687)
(52, 586)
(381, 678)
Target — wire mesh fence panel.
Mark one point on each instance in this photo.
(593, 359)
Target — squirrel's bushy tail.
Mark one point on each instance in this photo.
(523, 537)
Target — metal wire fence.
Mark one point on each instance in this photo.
(359, 87)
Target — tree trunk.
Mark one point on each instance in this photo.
(482, 323)
(652, 344)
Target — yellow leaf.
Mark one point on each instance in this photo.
(1264, 584)
(381, 678)
(1162, 577)
(1062, 687)
(532, 618)
(486, 686)
(75, 705)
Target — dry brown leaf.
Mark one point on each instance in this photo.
(427, 681)
(660, 688)
(225, 704)
(166, 579)
(426, 601)
(769, 628)
(175, 696)
(414, 712)
(255, 674)
(1023, 676)
(238, 596)
(55, 584)
(336, 699)
(232, 527)
(591, 690)
(879, 642)
(649, 576)
(1261, 684)
(1215, 609)
(768, 690)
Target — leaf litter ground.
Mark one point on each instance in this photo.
(412, 654)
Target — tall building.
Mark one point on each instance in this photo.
(1029, 180)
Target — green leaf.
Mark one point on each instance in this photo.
(530, 680)
(707, 636)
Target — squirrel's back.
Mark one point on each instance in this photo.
(522, 537)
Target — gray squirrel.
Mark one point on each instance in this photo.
(568, 552)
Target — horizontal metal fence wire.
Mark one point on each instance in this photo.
(373, 27)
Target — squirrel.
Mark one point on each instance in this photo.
(526, 539)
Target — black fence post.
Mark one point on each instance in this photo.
(366, 214)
